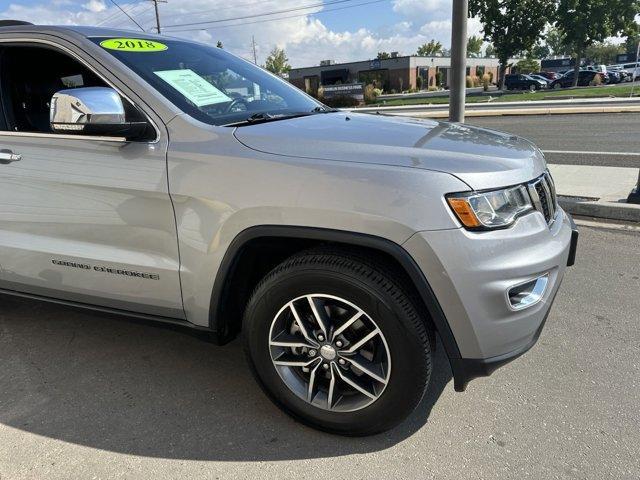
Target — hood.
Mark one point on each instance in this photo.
(479, 157)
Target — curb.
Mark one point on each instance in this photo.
(589, 208)
(520, 111)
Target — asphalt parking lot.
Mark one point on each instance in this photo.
(83, 395)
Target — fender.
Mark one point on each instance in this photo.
(335, 236)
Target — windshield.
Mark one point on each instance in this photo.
(208, 83)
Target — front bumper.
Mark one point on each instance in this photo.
(469, 273)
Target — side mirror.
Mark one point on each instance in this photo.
(92, 111)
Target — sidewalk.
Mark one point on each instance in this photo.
(596, 191)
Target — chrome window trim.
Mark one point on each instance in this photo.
(107, 82)
(6, 133)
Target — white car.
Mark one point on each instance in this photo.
(633, 69)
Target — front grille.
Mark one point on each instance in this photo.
(543, 195)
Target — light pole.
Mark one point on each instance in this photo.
(457, 85)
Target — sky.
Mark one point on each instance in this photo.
(339, 30)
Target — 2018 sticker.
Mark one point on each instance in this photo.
(133, 45)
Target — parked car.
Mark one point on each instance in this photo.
(585, 78)
(597, 68)
(614, 77)
(339, 244)
(549, 75)
(523, 82)
(624, 75)
(633, 70)
(545, 80)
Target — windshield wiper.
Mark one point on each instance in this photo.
(263, 117)
(324, 110)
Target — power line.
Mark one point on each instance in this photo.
(279, 18)
(139, 16)
(144, 12)
(130, 17)
(295, 9)
(113, 15)
(228, 7)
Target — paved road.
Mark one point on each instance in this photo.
(608, 134)
(88, 396)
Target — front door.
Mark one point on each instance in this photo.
(84, 219)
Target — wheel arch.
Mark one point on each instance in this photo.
(283, 241)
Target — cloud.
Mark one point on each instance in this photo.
(94, 6)
(411, 8)
(306, 39)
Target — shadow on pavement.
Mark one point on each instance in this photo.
(127, 387)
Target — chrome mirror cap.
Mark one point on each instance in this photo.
(75, 109)
(92, 111)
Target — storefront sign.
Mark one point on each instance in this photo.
(354, 90)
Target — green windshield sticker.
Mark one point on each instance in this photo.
(195, 88)
(133, 45)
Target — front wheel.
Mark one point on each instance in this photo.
(557, 86)
(336, 342)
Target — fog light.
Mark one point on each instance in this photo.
(527, 294)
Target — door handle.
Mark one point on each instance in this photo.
(7, 157)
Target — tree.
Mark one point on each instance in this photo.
(277, 61)
(631, 44)
(383, 55)
(528, 65)
(474, 46)
(490, 51)
(512, 26)
(586, 22)
(540, 51)
(556, 41)
(604, 53)
(430, 49)
(219, 44)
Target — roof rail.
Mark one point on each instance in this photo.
(12, 23)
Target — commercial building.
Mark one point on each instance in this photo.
(561, 64)
(396, 73)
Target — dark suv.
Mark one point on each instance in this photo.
(585, 78)
(523, 82)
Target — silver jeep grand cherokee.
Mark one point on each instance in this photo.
(173, 181)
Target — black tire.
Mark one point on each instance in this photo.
(374, 288)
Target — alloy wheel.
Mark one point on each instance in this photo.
(330, 353)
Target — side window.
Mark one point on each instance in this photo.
(29, 78)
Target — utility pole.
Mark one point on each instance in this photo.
(253, 45)
(155, 4)
(457, 86)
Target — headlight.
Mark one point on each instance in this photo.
(487, 210)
